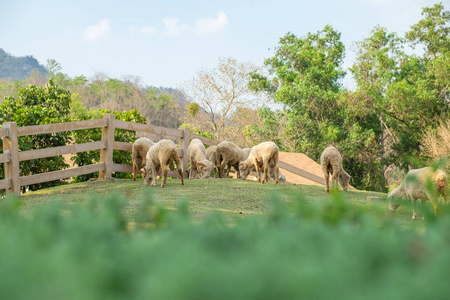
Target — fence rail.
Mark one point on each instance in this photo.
(11, 156)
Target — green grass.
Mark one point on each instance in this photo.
(233, 198)
(112, 240)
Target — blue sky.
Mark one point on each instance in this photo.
(166, 42)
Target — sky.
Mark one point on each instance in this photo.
(166, 42)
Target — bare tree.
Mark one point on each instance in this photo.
(221, 91)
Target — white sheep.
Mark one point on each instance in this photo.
(197, 159)
(211, 155)
(228, 155)
(331, 163)
(139, 151)
(263, 157)
(425, 184)
(281, 176)
(272, 176)
(159, 156)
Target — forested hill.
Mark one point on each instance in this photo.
(18, 68)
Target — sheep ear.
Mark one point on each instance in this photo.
(243, 166)
(143, 170)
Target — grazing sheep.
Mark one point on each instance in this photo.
(281, 176)
(228, 155)
(263, 157)
(139, 152)
(424, 184)
(331, 162)
(211, 155)
(199, 164)
(272, 176)
(160, 155)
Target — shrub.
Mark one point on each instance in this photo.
(308, 252)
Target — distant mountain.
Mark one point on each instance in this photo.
(18, 68)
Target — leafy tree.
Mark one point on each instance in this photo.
(407, 93)
(193, 109)
(304, 75)
(35, 106)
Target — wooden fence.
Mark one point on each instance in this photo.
(12, 156)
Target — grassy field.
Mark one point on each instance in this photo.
(233, 198)
(108, 240)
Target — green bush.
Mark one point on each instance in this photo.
(36, 106)
(307, 252)
(92, 135)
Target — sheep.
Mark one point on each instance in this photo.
(228, 155)
(160, 155)
(425, 184)
(281, 176)
(262, 157)
(139, 152)
(197, 159)
(272, 176)
(211, 155)
(331, 162)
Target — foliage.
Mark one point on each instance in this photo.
(92, 135)
(35, 106)
(93, 252)
(270, 126)
(305, 75)
(407, 93)
(305, 78)
(437, 144)
(193, 109)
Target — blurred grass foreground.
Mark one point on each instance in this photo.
(308, 252)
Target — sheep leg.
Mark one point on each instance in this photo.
(413, 201)
(334, 180)
(327, 179)
(433, 202)
(164, 173)
(180, 172)
(154, 174)
(277, 170)
(134, 172)
(238, 173)
(191, 170)
(258, 172)
(215, 172)
(265, 168)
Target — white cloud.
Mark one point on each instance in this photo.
(101, 31)
(174, 27)
(205, 26)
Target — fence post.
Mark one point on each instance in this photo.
(183, 143)
(11, 146)
(106, 155)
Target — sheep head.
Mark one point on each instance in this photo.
(147, 176)
(205, 168)
(244, 170)
(344, 180)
